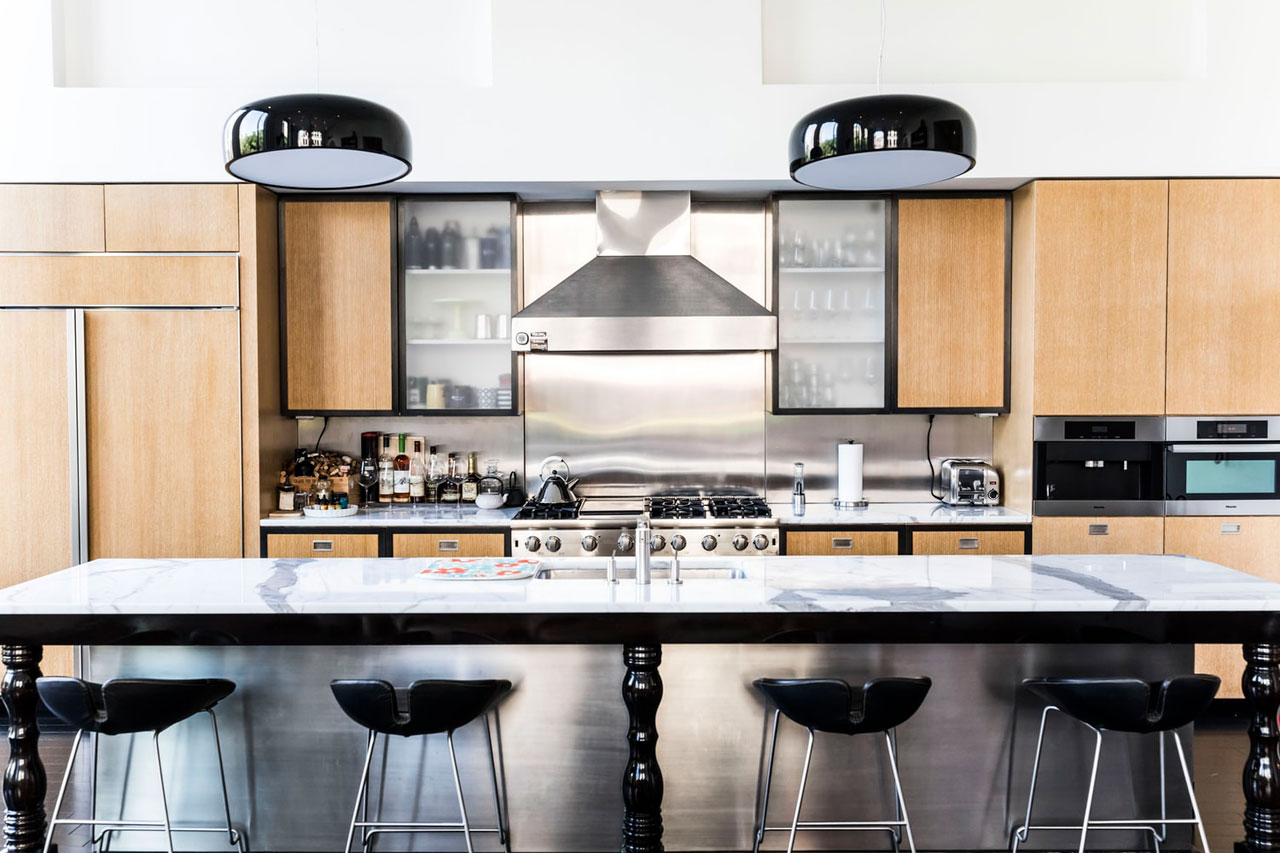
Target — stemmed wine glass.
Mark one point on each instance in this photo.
(367, 476)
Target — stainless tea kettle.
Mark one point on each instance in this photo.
(556, 489)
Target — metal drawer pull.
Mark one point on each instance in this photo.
(448, 544)
(968, 543)
(1230, 529)
(321, 544)
(1099, 529)
(842, 543)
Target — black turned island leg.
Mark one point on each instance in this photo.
(1261, 685)
(642, 782)
(24, 779)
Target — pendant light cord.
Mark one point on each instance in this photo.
(880, 56)
(315, 6)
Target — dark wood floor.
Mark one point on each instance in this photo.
(1221, 743)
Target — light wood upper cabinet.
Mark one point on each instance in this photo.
(1099, 266)
(162, 408)
(118, 280)
(450, 544)
(952, 275)
(1224, 297)
(51, 218)
(338, 285)
(837, 543)
(1098, 535)
(1248, 544)
(968, 542)
(171, 218)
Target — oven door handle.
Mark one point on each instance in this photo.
(1224, 448)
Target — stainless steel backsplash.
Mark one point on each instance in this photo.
(644, 423)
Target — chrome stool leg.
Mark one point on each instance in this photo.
(895, 834)
(897, 787)
(164, 800)
(763, 806)
(1020, 833)
(505, 825)
(62, 790)
(462, 804)
(233, 836)
(804, 776)
(493, 777)
(1093, 781)
(361, 793)
(1195, 806)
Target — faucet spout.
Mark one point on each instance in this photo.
(643, 575)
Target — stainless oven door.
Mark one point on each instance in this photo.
(1222, 478)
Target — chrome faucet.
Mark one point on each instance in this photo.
(642, 551)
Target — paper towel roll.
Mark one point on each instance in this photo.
(849, 472)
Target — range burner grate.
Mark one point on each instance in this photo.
(739, 508)
(676, 507)
(553, 512)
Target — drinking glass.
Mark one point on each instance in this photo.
(367, 477)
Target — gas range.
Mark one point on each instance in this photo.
(694, 523)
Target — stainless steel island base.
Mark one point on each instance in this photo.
(293, 757)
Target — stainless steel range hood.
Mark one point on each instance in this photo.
(644, 292)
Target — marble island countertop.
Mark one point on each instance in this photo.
(1089, 598)
(817, 514)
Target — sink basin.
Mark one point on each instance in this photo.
(628, 573)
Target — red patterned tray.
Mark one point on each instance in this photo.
(479, 569)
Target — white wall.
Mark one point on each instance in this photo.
(611, 91)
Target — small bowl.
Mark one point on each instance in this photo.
(490, 501)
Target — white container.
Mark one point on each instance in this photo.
(849, 475)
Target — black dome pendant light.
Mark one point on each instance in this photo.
(882, 142)
(316, 141)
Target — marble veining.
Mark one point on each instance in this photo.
(975, 584)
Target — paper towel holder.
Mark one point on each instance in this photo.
(839, 504)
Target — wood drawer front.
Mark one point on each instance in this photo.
(48, 218)
(1098, 535)
(863, 543)
(1248, 544)
(307, 545)
(172, 218)
(112, 280)
(968, 542)
(448, 545)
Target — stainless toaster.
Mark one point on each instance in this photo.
(970, 482)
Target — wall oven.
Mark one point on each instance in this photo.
(1222, 466)
(1099, 466)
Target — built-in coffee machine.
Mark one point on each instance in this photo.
(1099, 466)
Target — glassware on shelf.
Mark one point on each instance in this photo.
(471, 250)
(451, 246)
(799, 256)
(413, 246)
(431, 248)
(849, 248)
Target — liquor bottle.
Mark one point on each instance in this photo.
(471, 484)
(386, 477)
(417, 475)
(400, 483)
(451, 246)
(433, 477)
(431, 248)
(450, 488)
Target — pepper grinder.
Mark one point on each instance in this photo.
(797, 491)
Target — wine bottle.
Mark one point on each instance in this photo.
(433, 477)
(471, 484)
(417, 475)
(386, 477)
(400, 483)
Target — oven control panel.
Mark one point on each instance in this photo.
(663, 542)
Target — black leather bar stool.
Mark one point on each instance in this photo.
(429, 707)
(1123, 705)
(831, 705)
(129, 706)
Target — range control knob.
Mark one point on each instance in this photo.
(708, 542)
(553, 543)
(678, 542)
(760, 541)
(626, 541)
(740, 542)
(589, 542)
(657, 542)
(532, 543)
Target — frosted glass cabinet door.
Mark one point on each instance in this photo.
(457, 261)
(831, 304)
